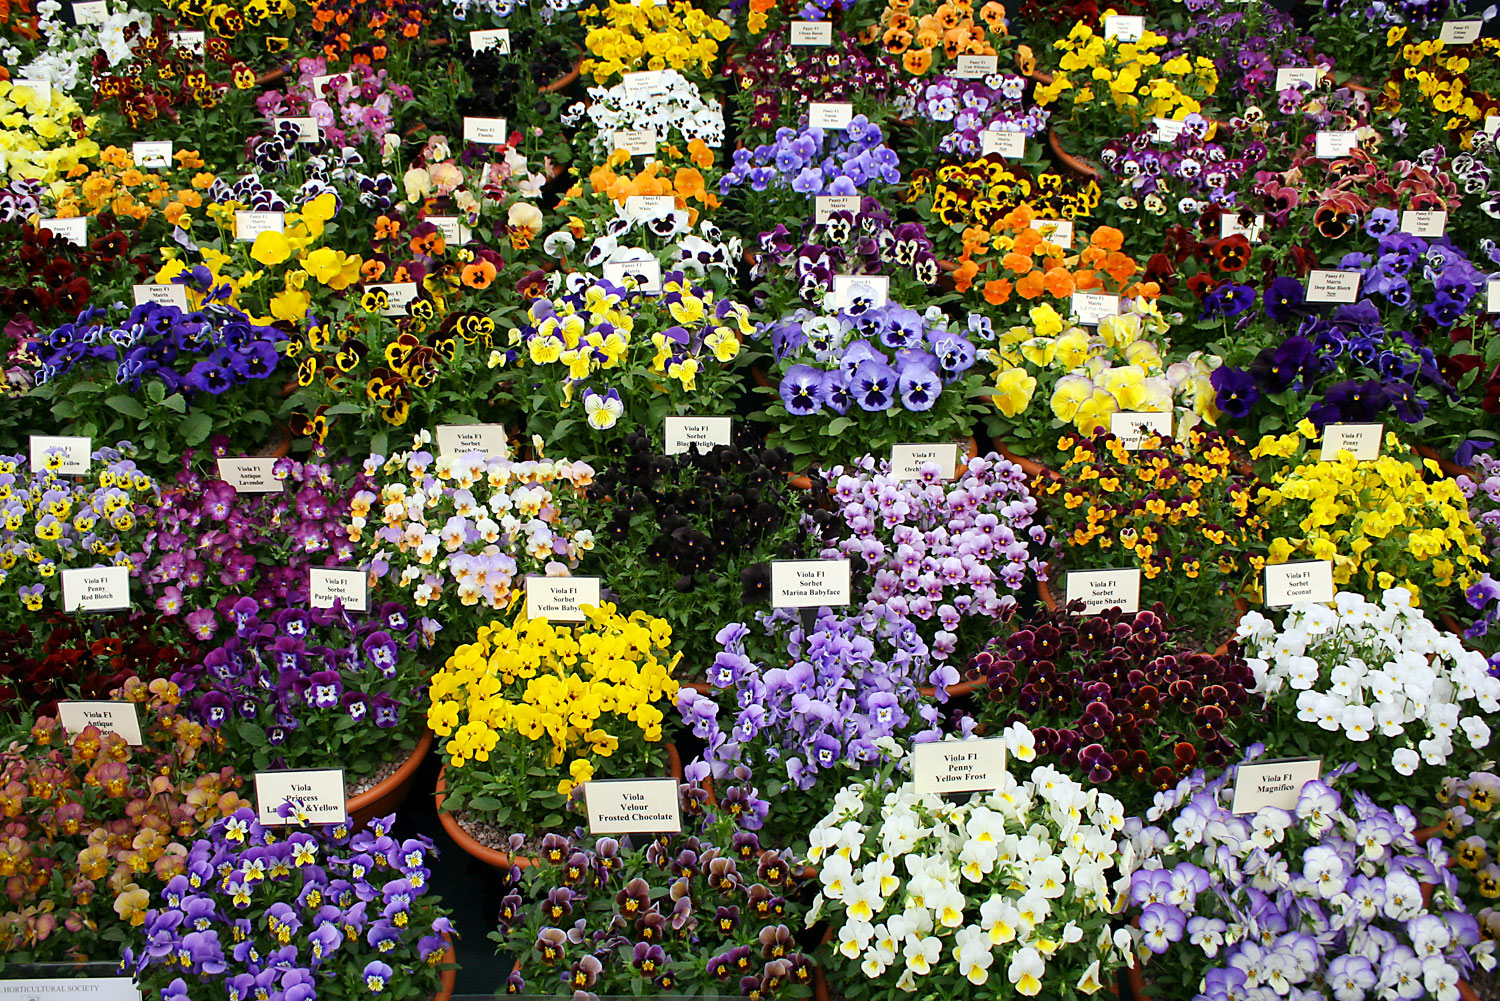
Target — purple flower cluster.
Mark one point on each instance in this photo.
(1483, 491)
(1406, 270)
(869, 242)
(262, 914)
(813, 162)
(883, 357)
(201, 351)
(1190, 173)
(324, 171)
(1246, 51)
(297, 674)
(1327, 895)
(993, 103)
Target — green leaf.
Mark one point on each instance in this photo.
(196, 427)
(176, 402)
(127, 405)
(156, 392)
(85, 387)
(251, 733)
(344, 408)
(838, 426)
(485, 803)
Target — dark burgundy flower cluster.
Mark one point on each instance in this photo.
(54, 278)
(1113, 700)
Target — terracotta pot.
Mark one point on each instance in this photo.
(1067, 159)
(567, 79)
(279, 446)
(271, 76)
(504, 860)
(388, 794)
(1134, 981)
(1446, 465)
(448, 977)
(1425, 834)
(1034, 470)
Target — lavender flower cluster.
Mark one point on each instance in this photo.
(993, 103)
(1191, 172)
(868, 242)
(812, 161)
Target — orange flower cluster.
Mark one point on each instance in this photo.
(658, 177)
(950, 27)
(116, 185)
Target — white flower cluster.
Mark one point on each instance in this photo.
(67, 49)
(671, 102)
(697, 253)
(922, 887)
(1375, 671)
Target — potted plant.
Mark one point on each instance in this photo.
(1464, 817)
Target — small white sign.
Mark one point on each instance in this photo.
(489, 131)
(97, 989)
(975, 67)
(41, 88)
(1057, 231)
(636, 142)
(871, 290)
(1010, 145)
(76, 453)
(831, 117)
(188, 41)
(1360, 440)
(320, 84)
(75, 229)
(398, 296)
(1259, 784)
(1288, 77)
(108, 717)
(683, 433)
(162, 295)
(351, 587)
(1492, 124)
(646, 271)
(318, 794)
(1166, 130)
(1304, 580)
(90, 12)
(811, 32)
(251, 474)
(1230, 225)
(1332, 286)
(824, 206)
(1124, 27)
(491, 38)
(947, 766)
(1090, 307)
(1101, 589)
(455, 233)
(1492, 296)
(95, 589)
(809, 583)
(307, 127)
(1451, 33)
(560, 599)
(645, 84)
(249, 225)
(649, 206)
(907, 460)
(1332, 145)
(1429, 225)
(152, 154)
(461, 439)
(633, 806)
(1133, 426)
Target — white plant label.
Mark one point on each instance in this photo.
(189, 41)
(317, 793)
(1259, 784)
(1133, 426)
(824, 206)
(1010, 145)
(633, 806)
(152, 154)
(944, 766)
(455, 233)
(1288, 77)
(1057, 231)
(461, 439)
(649, 206)
(907, 460)
(645, 84)
(1230, 225)
(1124, 27)
(162, 295)
(320, 84)
(249, 225)
(975, 67)
(108, 717)
(41, 88)
(251, 474)
(325, 586)
(1429, 225)
(75, 452)
(1091, 307)
(871, 290)
(75, 230)
(809, 583)
(1492, 296)
(95, 589)
(830, 117)
(636, 142)
(811, 32)
(1304, 580)
(307, 127)
(1332, 145)
(491, 38)
(1332, 286)
(1453, 32)
(683, 433)
(488, 131)
(646, 272)
(1101, 589)
(397, 294)
(1167, 129)
(1492, 124)
(560, 599)
(97, 989)
(1360, 440)
(90, 12)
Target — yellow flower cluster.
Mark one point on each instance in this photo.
(1441, 78)
(628, 37)
(1117, 368)
(1136, 80)
(1386, 523)
(577, 691)
(40, 137)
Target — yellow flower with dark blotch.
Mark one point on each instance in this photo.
(307, 371)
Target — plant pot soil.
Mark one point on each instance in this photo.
(388, 794)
